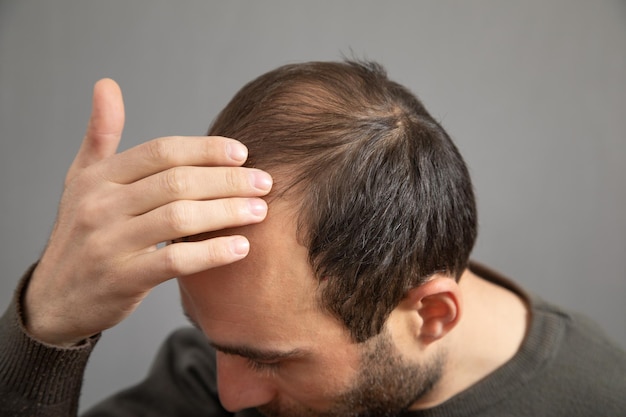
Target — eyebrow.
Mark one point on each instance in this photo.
(256, 354)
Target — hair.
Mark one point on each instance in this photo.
(383, 196)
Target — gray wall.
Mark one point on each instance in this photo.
(534, 93)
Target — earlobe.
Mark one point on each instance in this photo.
(437, 305)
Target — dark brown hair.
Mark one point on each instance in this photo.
(384, 198)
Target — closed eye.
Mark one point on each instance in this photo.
(258, 366)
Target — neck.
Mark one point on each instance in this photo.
(489, 334)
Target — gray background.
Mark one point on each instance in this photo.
(534, 93)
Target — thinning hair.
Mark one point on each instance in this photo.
(384, 198)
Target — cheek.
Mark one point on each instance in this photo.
(318, 383)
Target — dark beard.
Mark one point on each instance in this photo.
(385, 386)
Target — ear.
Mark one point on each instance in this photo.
(436, 308)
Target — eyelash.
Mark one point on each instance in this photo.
(270, 367)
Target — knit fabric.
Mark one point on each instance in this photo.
(565, 367)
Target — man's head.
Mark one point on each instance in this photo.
(383, 197)
(349, 285)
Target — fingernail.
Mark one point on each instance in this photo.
(237, 151)
(257, 207)
(262, 180)
(240, 246)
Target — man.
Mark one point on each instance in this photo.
(352, 296)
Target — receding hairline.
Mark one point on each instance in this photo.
(375, 125)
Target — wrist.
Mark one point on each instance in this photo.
(40, 327)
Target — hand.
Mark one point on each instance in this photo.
(102, 258)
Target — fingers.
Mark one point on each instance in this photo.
(187, 258)
(103, 257)
(192, 183)
(185, 218)
(105, 126)
(164, 153)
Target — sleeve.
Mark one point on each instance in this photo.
(181, 382)
(37, 379)
(45, 381)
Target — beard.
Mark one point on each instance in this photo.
(385, 386)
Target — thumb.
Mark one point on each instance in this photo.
(105, 126)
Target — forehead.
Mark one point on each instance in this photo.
(270, 296)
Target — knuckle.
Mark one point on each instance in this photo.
(161, 150)
(234, 179)
(175, 183)
(179, 216)
(87, 213)
(173, 261)
(233, 208)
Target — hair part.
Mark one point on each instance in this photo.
(384, 198)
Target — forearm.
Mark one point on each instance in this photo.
(37, 379)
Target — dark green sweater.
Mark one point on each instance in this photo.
(565, 367)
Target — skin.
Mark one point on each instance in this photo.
(102, 257)
(247, 282)
(255, 306)
(278, 351)
(384, 386)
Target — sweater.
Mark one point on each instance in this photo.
(565, 367)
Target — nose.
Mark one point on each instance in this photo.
(238, 386)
